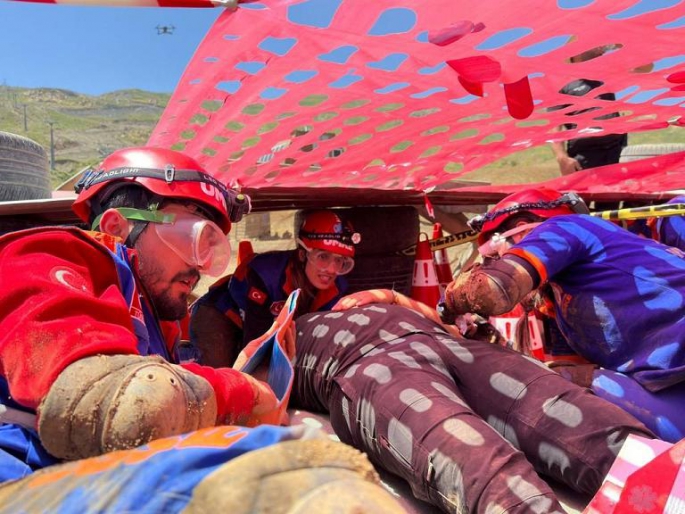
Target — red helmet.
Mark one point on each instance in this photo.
(166, 173)
(325, 230)
(542, 202)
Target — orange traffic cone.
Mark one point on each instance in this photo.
(245, 252)
(424, 286)
(508, 324)
(442, 262)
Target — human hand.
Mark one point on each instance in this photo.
(568, 165)
(267, 409)
(466, 323)
(288, 341)
(365, 298)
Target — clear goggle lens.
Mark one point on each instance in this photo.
(199, 242)
(324, 261)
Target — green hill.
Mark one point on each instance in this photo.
(86, 128)
(538, 163)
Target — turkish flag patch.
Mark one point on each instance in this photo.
(257, 296)
(277, 307)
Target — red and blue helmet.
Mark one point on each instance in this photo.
(325, 230)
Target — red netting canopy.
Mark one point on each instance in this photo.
(322, 98)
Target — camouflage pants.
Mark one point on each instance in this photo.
(468, 424)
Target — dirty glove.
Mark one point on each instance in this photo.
(114, 402)
(295, 477)
(488, 290)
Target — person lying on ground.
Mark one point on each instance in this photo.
(241, 307)
(88, 355)
(618, 298)
(468, 424)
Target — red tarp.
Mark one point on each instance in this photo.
(375, 95)
(410, 96)
(136, 3)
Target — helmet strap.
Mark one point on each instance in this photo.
(138, 227)
(302, 245)
(572, 200)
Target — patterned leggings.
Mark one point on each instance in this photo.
(468, 424)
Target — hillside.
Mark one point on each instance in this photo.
(86, 128)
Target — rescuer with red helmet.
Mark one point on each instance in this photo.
(617, 297)
(88, 357)
(242, 307)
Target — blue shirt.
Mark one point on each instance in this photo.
(619, 298)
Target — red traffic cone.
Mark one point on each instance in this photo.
(245, 252)
(424, 286)
(442, 262)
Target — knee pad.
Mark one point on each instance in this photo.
(105, 403)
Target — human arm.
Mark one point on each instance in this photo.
(567, 164)
(491, 288)
(60, 302)
(61, 312)
(388, 296)
(105, 403)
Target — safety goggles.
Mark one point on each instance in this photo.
(324, 261)
(196, 240)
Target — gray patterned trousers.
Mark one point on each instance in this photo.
(468, 424)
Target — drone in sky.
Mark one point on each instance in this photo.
(165, 30)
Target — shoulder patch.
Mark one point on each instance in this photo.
(69, 278)
(277, 307)
(256, 296)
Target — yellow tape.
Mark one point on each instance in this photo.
(648, 211)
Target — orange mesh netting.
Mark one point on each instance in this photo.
(386, 94)
(412, 95)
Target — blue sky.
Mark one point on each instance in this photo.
(96, 50)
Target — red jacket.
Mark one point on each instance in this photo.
(61, 301)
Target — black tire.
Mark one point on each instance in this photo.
(384, 230)
(381, 272)
(637, 152)
(24, 172)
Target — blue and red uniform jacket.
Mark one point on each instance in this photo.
(68, 294)
(254, 295)
(618, 297)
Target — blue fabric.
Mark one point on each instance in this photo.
(671, 229)
(280, 370)
(157, 477)
(270, 267)
(21, 452)
(661, 412)
(619, 298)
